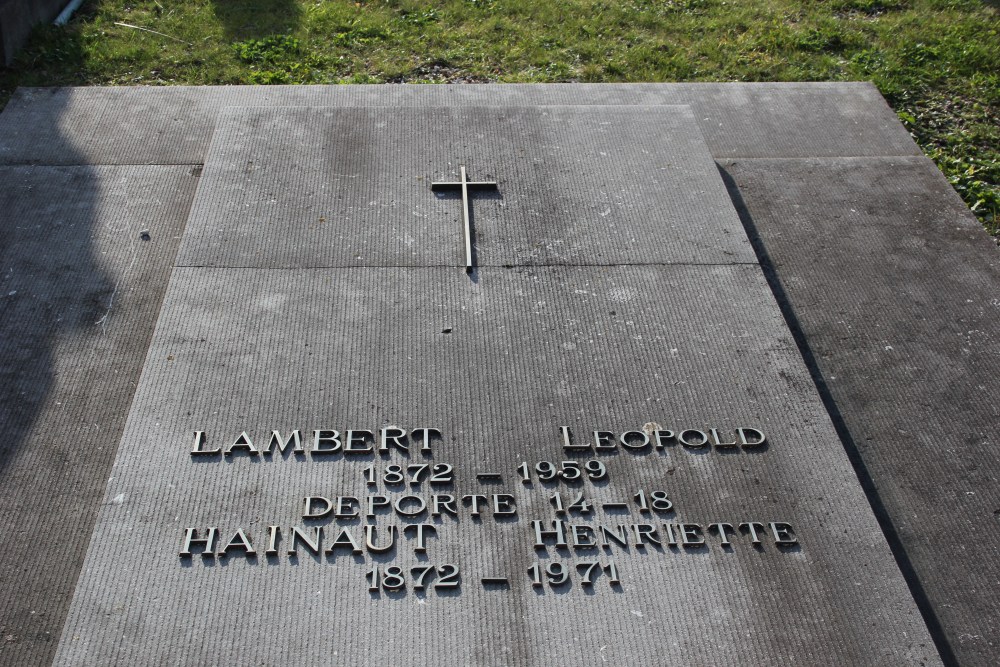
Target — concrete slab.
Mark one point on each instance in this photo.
(75, 126)
(321, 187)
(173, 125)
(498, 366)
(498, 362)
(79, 293)
(893, 287)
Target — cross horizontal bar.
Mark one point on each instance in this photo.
(457, 185)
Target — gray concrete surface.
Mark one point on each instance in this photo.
(173, 125)
(352, 187)
(895, 291)
(147, 126)
(498, 361)
(529, 348)
(80, 291)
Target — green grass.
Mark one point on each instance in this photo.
(936, 61)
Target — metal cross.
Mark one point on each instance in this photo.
(464, 185)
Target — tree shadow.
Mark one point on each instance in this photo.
(52, 280)
(54, 292)
(85, 250)
(257, 18)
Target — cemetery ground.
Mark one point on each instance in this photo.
(937, 62)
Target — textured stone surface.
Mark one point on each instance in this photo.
(908, 235)
(174, 125)
(896, 291)
(529, 349)
(80, 291)
(496, 361)
(320, 187)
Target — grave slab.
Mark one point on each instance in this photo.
(529, 349)
(909, 364)
(80, 290)
(324, 187)
(173, 125)
(496, 362)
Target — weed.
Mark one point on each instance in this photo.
(419, 18)
(819, 40)
(272, 49)
(869, 7)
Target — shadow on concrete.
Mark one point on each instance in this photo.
(51, 282)
(53, 293)
(86, 250)
(850, 445)
(257, 18)
(52, 286)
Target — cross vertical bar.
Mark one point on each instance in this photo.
(466, 187)
(468, 225)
